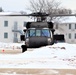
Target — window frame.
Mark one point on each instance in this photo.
(70, 36)
(70, 26)
(5, 23)
(75, 26)
(75, 36)
(5, 35)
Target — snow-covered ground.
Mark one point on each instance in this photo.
(10, 45)
(57, 56)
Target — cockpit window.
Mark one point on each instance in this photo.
(32, 32)
(45, 32)
(38, 32)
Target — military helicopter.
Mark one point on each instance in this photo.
(40, 33)
(37, 33)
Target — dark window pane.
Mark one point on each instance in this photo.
(56, 26)
(75, 26)
(69, 35)
(69, 26)
(75, 35)
(5, 35)
(5, 23)
(25, 24)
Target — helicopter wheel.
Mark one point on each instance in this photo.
(52, 43)
(24, 48)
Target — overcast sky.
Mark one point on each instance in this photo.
(20, 5)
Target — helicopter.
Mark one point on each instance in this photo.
(40, 33)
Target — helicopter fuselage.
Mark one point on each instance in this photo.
(37, 34)
(37, 37)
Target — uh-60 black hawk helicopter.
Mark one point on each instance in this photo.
(40, 33)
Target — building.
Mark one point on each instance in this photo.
(68, 28)
(11, 27)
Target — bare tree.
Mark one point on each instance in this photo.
(48, 6)
(43, 5)
(1, 10)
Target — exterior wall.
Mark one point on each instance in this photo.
(64, 29)
(19, 19)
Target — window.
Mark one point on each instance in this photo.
(5, 23)
(69, 35)
(25, 24)
(75, 35)
(56, 26)
(5, 35)
(45, 32)
(38, 32)
(75, 26)
(15, 25)
(69, 26)
(32, 32)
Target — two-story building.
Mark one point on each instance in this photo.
(11, 27)
(68, 28)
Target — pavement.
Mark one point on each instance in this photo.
(18, 71)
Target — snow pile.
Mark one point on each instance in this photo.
(10, 45)
(57, 56)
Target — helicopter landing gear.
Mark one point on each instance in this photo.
(24, 48)
(52, 43)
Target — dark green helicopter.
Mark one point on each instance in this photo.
(39, 33)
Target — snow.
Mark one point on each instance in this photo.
(9, 13)
(57, 56)
(69, 19)
(10, 45)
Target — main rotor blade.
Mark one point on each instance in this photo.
(14, 15)
(39, 15)
(61, 15)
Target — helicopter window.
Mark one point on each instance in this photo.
(38, 32)
(45, 32)
(32, 32)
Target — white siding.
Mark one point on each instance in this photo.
(64, 29)
(11, 20)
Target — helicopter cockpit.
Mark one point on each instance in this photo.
(45, 32)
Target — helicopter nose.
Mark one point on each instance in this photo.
(38, 41)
